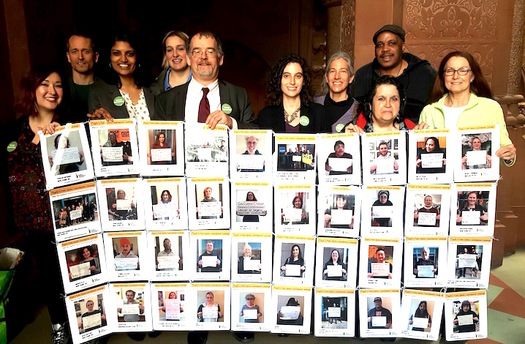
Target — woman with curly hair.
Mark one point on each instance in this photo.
(289, 97)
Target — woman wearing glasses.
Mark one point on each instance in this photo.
(461, 96)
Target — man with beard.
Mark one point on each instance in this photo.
(386, 162)
(339, 153)
(205, 98)
(379, 311)
(416, 76)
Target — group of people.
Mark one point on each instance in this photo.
(75, 213)
(393, 92)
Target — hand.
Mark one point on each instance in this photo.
(507, 153)
(200, 262)
(327, 167)
(219, 117)
(421, 126)
(418, 163)
(101, 113)
(352, 128)
(50, 128)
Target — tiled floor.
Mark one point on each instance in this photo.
(506, 317)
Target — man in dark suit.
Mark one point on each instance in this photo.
(227, 104)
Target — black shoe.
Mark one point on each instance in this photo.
(61, 334)
(244, 337)
(197, 337)
(137, 336)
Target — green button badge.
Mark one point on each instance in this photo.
(12, 146)
(226, 108)
(304, 121)
(339, 127)
(118, 101)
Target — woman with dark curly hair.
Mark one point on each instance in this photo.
(289, 97)
(383, 108)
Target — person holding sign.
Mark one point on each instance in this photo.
(297, 214)
(250, 312)
(214, 207)
(160, 151)
(289, 97)
(425, 267)
(131, 309)
(379, 268)
(171, 306)
(94, 263)
(476, 157)
(254, 155)
(382, 201)
(167, 259)
(466, 319)
(341, 216)
(71, 157)
(209, 261)
(339, 162)
(420, 317)
(431, 158)
(294, 265)
(92, 319)
(462, 97)
(126, 259)
(115, 152)
(428, 215)
(246, 264)
(379, 317)
(250, 197)
(122, 208)
(334, 269)
(472, 213)
(209, 311)
(384, 163)
(290, 314)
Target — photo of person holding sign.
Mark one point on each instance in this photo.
(342, 215)
(428, 215)
(431, 158)
(471, 213)
(163, 208)
(334, 269)
(248, 263)
(131, 310)
(475, 156)
(160, 151)
(384, 163)
(296, 215)
(92, 318)
(209, 311)
(466, 319)
(171, 306)
(250, 312)
(68, 159)
(167, 259)
(115, 152)
(209, 260)
(290, 314)
(379, 317)
(209, 207)
(126, 259)
(378, 267)
(424, 266)
(382, 210)
(120, 208)
(294, 265)
(420, 320)
(469, 258)
(251, 209)
(251, 160)
(339, 162)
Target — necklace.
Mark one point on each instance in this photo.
(289, 118)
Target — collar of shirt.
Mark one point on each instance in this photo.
(194, 96)
(167, 85)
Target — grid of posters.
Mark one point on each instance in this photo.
(223, 232)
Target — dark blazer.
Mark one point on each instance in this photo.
(102, 95)
(272, 117)
(171, 105)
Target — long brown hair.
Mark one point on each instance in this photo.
(479, 86)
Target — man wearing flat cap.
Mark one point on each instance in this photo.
(379, 317)
(416, 76)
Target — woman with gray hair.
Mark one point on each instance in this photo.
(340, 108)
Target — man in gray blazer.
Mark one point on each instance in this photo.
(228, 104)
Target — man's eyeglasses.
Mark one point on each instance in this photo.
(200, 52)
(461, 71)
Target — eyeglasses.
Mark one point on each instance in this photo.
(200, 52)
(461, 71)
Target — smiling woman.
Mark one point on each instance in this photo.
(123, 95)
(289, 95)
